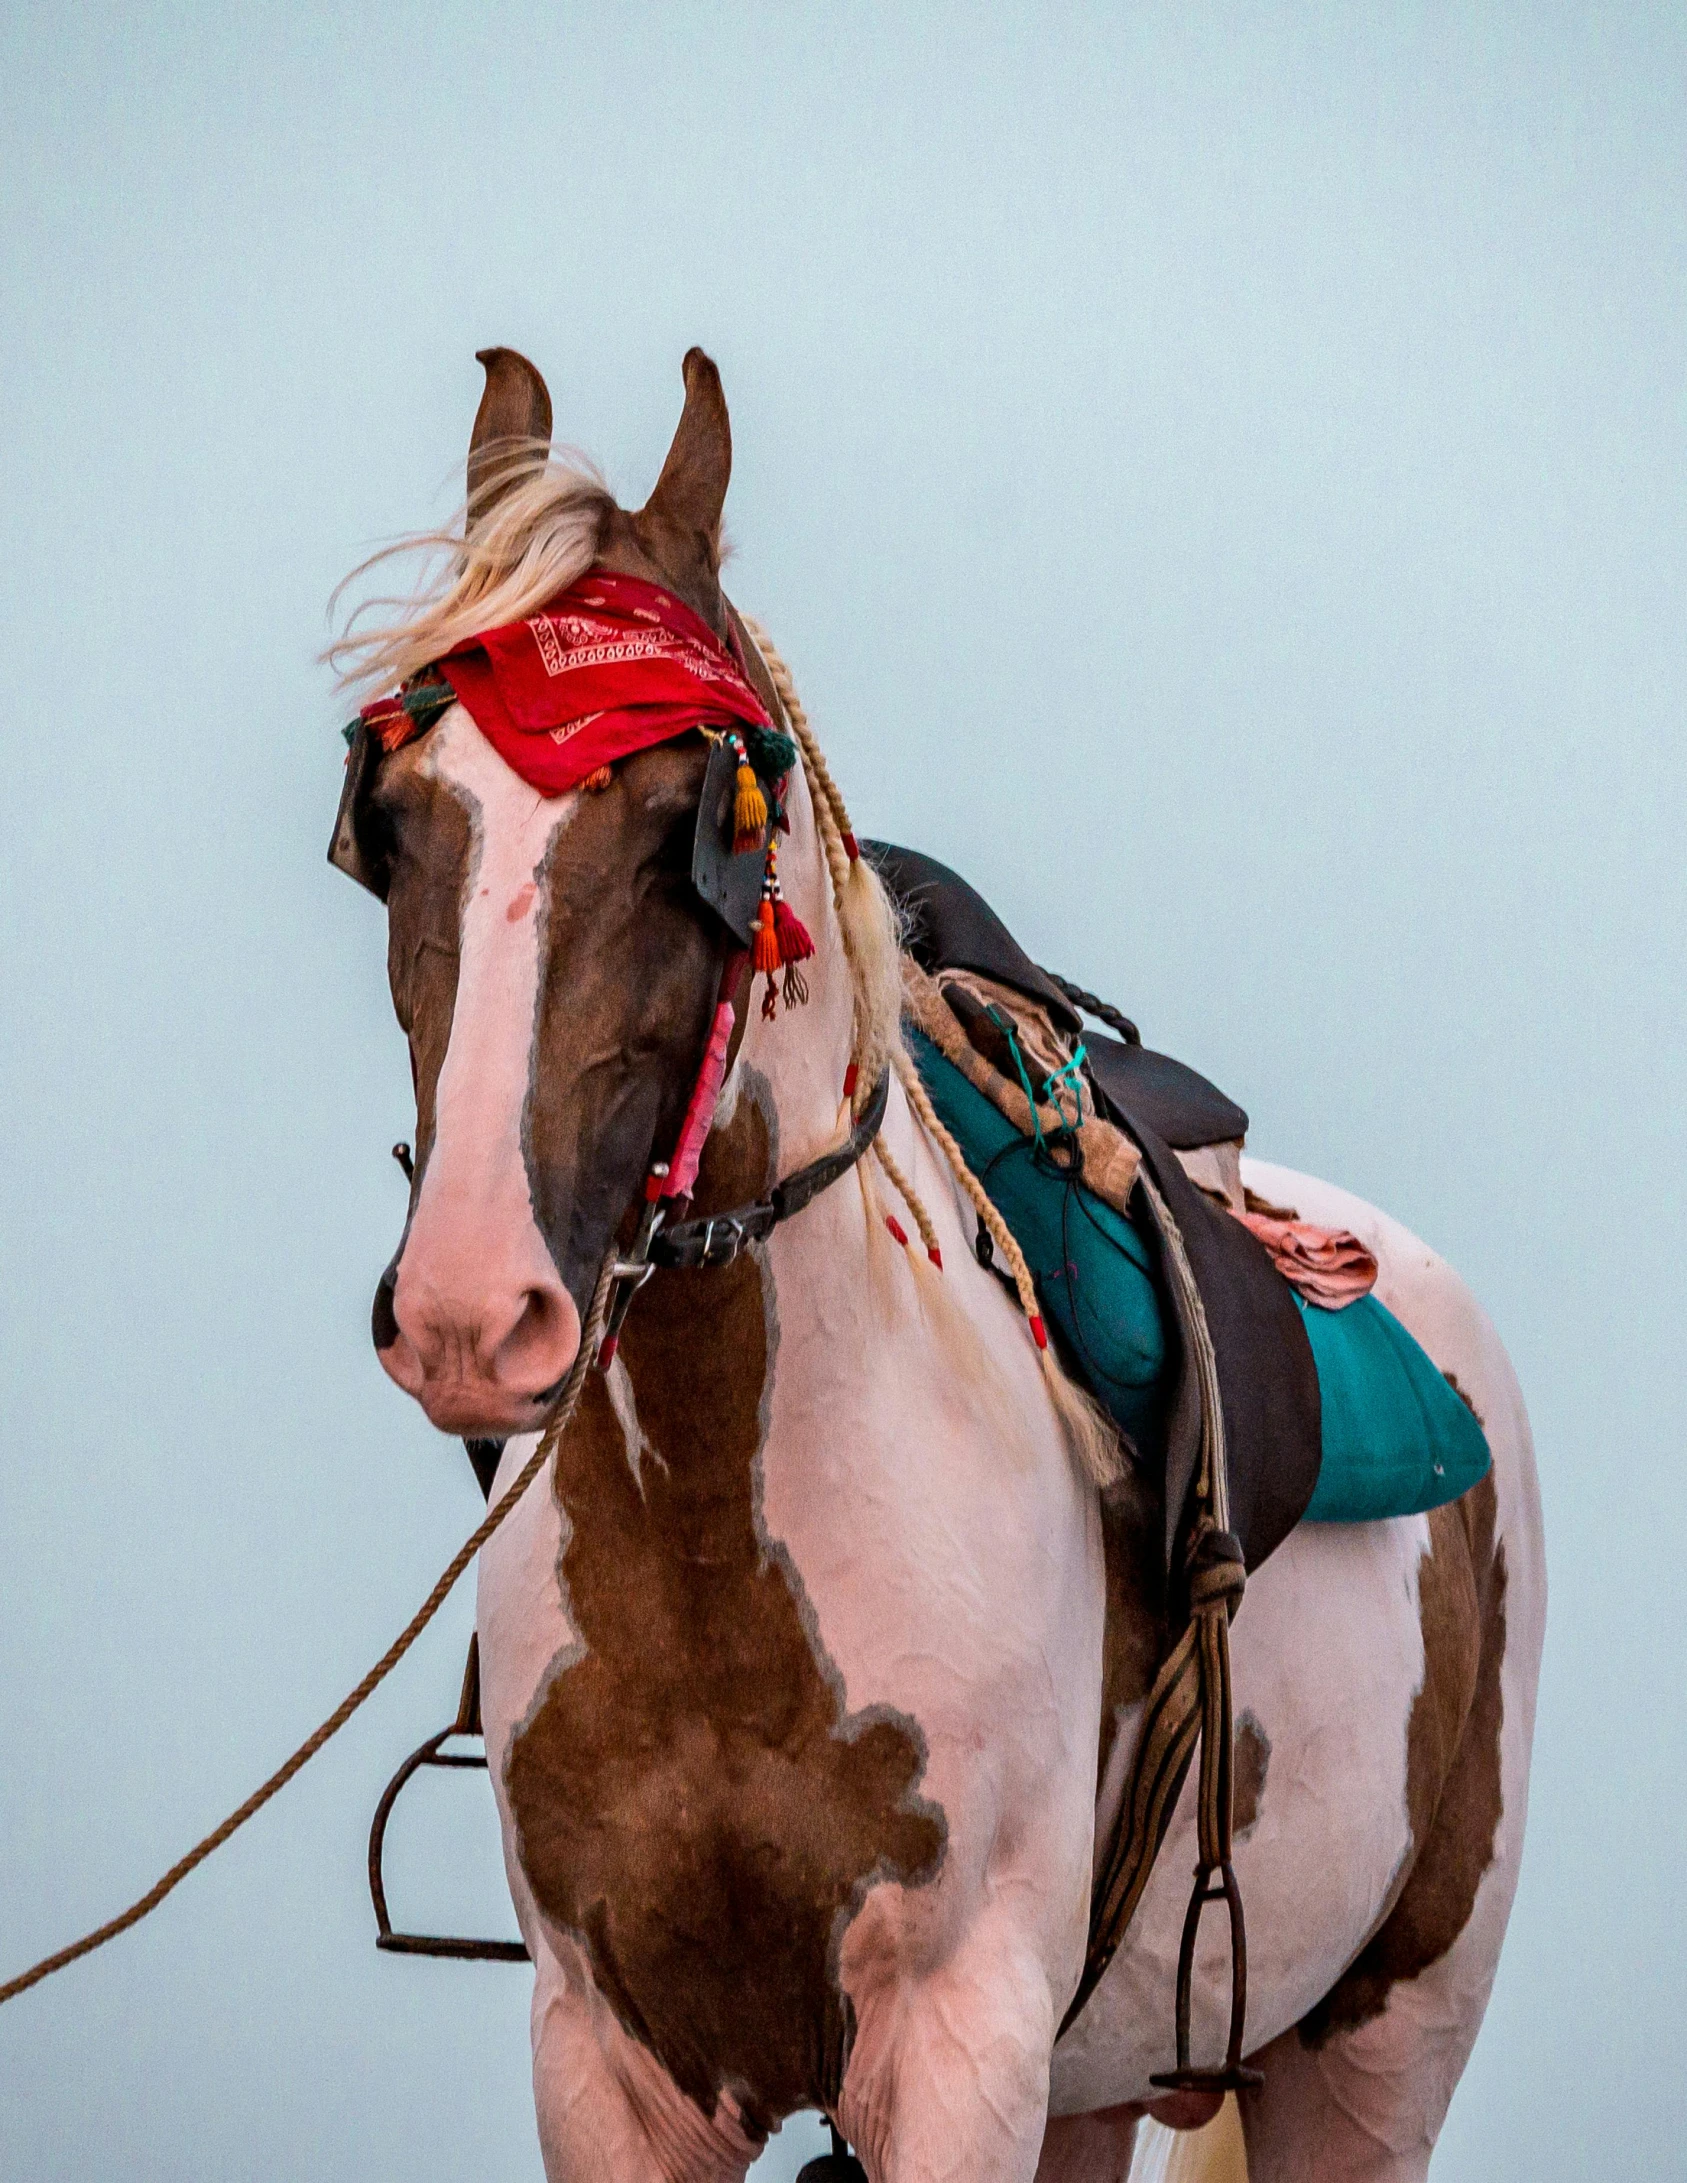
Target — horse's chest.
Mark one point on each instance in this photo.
(686, 1792)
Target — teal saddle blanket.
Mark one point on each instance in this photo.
(1396, 1437)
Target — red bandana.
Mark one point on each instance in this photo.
(610, 665)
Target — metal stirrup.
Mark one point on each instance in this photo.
(467, 1723)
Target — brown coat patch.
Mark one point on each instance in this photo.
(690, 1796)
(1248, 1770)
(1453, 1784)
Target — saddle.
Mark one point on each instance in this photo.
(1267, 1384)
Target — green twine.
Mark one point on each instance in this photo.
(1064, 1080)
(1068, 1078)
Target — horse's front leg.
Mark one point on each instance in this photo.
(607, 2110)
(948, 2080)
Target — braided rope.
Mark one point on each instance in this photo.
(590, 1334)
(835, 824)
(837, 838)
(910, 1198)
(979, 1198)
(1093, 1005)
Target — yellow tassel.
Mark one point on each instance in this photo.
(766, 956)
(749, 811)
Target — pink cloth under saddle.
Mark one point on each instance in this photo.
(1329, 1266)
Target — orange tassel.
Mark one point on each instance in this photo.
(765, 956)
(749, 811)
(598, 780)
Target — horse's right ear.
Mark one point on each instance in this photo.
(515, 410)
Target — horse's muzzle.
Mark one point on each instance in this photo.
(484, 1362)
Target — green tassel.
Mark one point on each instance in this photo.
(772, 754)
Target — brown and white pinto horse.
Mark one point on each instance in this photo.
(811, 1679)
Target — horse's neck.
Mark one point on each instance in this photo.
(784, 1105)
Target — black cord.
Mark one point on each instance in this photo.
(1093, 1005)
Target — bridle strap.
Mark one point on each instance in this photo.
(715, 1239)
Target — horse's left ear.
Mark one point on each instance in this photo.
(691, 491)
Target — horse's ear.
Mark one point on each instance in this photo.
(691, 491)
(515, 410)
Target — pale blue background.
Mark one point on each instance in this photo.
(1217, 475)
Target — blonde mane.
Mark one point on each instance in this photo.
(531, 542)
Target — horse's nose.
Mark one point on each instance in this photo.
(481, 1343)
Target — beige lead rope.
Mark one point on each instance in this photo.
(834, 826)
(567, 1402)
(841, 853)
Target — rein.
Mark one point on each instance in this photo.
(711, 1240)
(567, 1402)
(1191, 1699)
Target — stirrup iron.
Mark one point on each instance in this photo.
(431, 1753)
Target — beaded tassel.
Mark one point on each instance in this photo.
(749, 805)
(795, 946)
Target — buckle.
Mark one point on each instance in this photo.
(628, 1276)
(723, 1239)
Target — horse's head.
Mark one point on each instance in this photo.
(552, 963)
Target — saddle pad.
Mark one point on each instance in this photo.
(1396, 1438)
(1092, 1269)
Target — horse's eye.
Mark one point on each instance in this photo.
(673, 857)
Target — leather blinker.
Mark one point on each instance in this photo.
(730, 885)
(351, 848)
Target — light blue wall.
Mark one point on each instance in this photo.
(1218, 477)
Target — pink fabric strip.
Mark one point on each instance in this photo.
(1329, 1266)
(700, 1115)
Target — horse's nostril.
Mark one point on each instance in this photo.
(383, 1322)
(539, 1346)
(537, 1324)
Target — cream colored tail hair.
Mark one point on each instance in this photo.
(1213, 2155)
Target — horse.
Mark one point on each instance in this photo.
(812, 1672)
